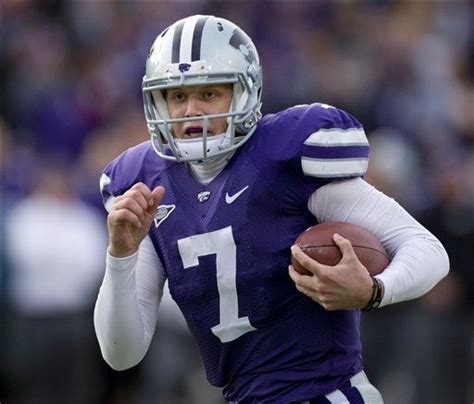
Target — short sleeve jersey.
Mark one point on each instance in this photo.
(225, 247)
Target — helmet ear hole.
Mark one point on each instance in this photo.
(163, 93)
(156, 96)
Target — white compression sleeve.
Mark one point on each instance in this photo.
(127, 306)
(418, 259)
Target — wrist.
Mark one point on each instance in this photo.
(120, 253)
(378, 290)
(116, 264)
(368, 291)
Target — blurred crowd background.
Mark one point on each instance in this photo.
(70, 101)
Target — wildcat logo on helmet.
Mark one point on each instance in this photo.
(162, 213)
(244, 44)
(184, 67)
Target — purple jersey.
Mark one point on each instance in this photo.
(225, 247)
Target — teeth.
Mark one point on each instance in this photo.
(194, 134)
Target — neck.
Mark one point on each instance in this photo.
(206, 171)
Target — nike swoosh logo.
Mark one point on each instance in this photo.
(229, 199)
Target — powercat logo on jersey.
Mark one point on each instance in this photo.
(203, 196)
(162, 213)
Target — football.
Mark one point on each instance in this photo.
(317, 242)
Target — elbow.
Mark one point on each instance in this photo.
(444, 262)
(119, 360)
(439, 260)
(118, 366)
(119, 353)
(121, 349)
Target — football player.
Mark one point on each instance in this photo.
(213, 203)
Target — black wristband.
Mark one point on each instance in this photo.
(376, 297)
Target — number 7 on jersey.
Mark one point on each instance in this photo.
(221, 243)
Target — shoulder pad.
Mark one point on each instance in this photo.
(136, 164)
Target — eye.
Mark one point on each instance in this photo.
(209, 94)
(175, 96)
(178, 97)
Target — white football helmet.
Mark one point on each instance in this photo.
(202, 50)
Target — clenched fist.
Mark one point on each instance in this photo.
(130, 218)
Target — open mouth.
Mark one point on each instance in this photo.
(193, 132)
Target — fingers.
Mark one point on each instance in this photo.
(345, 246)
(314, 289)
(156, 196)
(142, 189)
(131, 205)
(158, 193)
(142, 196)
(343, 286)
(121, 216)
(298, 279)
(307, 262)
(317, 268)
(137, 205)
(315, 286)
(295, 276)
(301, 281)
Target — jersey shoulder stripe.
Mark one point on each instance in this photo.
(325, 168)
(337, 137)
(335, 152)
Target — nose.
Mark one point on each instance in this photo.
(193, 107)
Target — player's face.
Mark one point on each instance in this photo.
(195, 101)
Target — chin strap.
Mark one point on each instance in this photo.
(192, 148)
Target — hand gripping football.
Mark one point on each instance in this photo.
(317, 242)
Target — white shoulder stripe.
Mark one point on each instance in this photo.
(337, 137)
(325, 168)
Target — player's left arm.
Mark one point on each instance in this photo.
(418, 259)
(335, 150)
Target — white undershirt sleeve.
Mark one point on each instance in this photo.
(418, 259)
(126, 310)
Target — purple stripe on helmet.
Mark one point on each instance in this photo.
(177, 42)
(197, 35)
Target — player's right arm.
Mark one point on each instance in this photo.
(127, 305)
